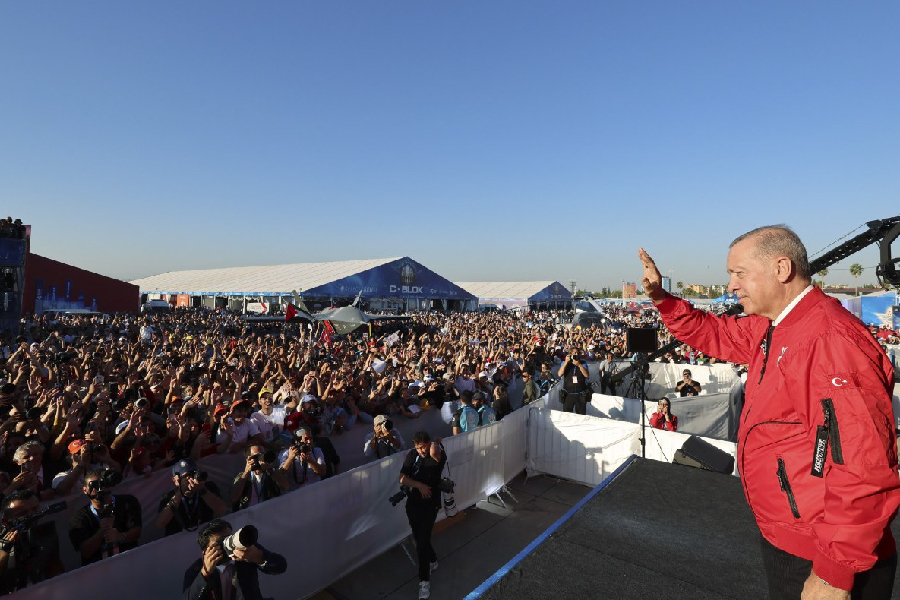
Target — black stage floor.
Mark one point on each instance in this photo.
(654, 530)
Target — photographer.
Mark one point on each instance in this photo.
(216, 575)
(259, 481)
(303, 463)
(607, 369)
(193, 501)
(574, 374)
(29, 552)
(384, 440)
(109, 524)
(420, 475)
(687, 386)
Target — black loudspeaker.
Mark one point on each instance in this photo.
(697, 452)
(641, 339)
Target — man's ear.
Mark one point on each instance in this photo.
(784, 269)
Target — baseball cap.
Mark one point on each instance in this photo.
(220, 408)
(483, 374)
(75, 446)
(379, 419)
(185, 465)
(240, 403)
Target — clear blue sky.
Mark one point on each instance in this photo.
(489, 140)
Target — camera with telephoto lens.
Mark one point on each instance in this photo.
(446, 485)
(302, 447)
(387, 425)
(244, 537)
(25, 523)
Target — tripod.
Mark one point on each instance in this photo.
(638, 389)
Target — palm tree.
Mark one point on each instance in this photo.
(856, 270)
(822, 274)
(680, 286)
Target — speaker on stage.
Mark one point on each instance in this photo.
(697, 452)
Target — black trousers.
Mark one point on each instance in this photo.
(421, 517)
(787, 573)
(575, 401)
(605, 384)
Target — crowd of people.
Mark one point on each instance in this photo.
(87, 402)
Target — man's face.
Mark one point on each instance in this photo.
(422, 448)
(687, 375)
(31, 461)
(753, 280)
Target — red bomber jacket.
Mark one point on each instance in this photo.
(816, 446)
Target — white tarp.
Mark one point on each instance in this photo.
(586, 449)
(578, 447)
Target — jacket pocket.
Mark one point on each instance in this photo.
(786, 487)
(827, 434)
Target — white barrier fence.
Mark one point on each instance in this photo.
(325, 530)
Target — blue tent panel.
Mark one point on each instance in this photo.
(553, 292)
(402, 278)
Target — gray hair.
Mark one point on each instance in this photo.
(779, 240)
(26, 448)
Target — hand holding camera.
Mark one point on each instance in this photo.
(212, 556)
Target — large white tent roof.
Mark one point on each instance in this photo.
(270, 280)
(499, 290)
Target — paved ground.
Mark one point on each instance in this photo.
(470, 547)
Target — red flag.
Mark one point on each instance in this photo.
(328, 332)
(292, 311)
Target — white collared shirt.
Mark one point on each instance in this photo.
(790, 307)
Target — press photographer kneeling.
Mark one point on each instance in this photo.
(421, 477)
(230, 564)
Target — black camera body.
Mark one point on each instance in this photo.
(399, 496)
(103, 484)
(261, 459)
(447, 485)
(302, 447)
(107, 512)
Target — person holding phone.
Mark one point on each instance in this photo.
(663, 417)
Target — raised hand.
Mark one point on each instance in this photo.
(652, 280)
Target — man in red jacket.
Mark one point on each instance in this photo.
(816, 446)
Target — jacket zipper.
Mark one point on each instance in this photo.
(831, 427)
(786, 487)
(766, 344)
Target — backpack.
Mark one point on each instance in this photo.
(468, 418)
(487, 415)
